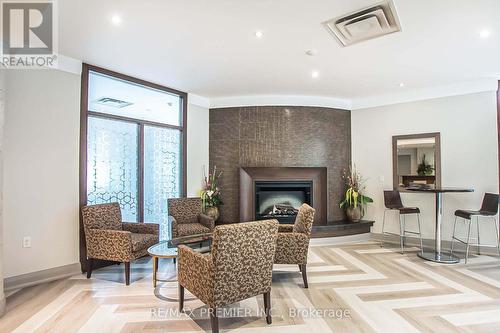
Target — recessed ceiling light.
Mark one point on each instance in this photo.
(401, 84)
(259, 34)
(312, 52)
(315, 74)
(116, 19)
(485, 33)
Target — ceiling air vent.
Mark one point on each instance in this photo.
(116, 103)
(368, 23)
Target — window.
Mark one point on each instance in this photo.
(133, 147)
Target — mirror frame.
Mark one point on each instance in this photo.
(437, 156)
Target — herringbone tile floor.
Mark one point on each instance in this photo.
(352, 288)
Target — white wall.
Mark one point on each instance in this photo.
(468, 127)
(2, 106)
(41, 169)
(197, 149)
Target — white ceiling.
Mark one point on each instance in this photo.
(209, 48)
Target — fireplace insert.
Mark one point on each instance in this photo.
(281, 199)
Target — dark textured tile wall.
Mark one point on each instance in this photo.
(279, 136)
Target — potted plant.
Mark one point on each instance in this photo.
(355, 201)
(424, 168)
(210, 194)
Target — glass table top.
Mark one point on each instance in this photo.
(163, 250)
(168, 249)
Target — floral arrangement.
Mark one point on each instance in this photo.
(210, 193)
(355, 185)
(424, 168)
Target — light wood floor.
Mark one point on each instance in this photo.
(352, 288)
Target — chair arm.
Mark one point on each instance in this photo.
(291, 248)
(173, 225)
(285, 228)
(195, 272)
(206, 221)
(114, 245)
(141, 228)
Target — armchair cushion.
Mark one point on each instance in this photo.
(206, 221)
(115, 245)
(304, 220)
(291, 248)
(292, 245)
(142, 228)
(243, 255)
(196, 273)
(103, 216)
(185, 210)
(186, 229)
(239, 266)
(187, 218)
(285, 228)
(143, 241)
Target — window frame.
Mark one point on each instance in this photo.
(85, 114)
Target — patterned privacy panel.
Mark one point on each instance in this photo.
(162, 174)
(112, 165)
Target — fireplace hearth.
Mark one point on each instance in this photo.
(281, 199)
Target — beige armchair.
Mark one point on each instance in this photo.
(239, 266)
(293, 241)
(108, 238)
(187, 218)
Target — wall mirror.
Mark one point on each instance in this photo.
(416, 160)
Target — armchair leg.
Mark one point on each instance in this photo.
(267, 307)
(181, 298)
(214, 321)
(90, 262)
(304, 275)
(300, 268)
(127, 273)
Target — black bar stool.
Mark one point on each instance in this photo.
(489, 210)
(392, 202)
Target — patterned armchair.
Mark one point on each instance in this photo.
(108, 238)
(293, 241)
(239, 266)
(187, 218)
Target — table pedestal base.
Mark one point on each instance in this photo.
(443, 258)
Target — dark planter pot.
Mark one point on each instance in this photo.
(213, 212)
(354, 214)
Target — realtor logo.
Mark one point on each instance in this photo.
(28, 33)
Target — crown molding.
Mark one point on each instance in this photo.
(456, 89)
(74, 66)
(198, 100)
(69, 65)
(280, 100)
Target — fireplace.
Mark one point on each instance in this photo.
(281, 199)
(277, 192)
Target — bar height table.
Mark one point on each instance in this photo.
(438, 255)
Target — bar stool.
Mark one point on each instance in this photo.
(489, 210)
(392, 202)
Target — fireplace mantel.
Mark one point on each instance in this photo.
(249, 175)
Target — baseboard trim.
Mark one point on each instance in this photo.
(46, 275)
(429, 243)
(339, 240)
